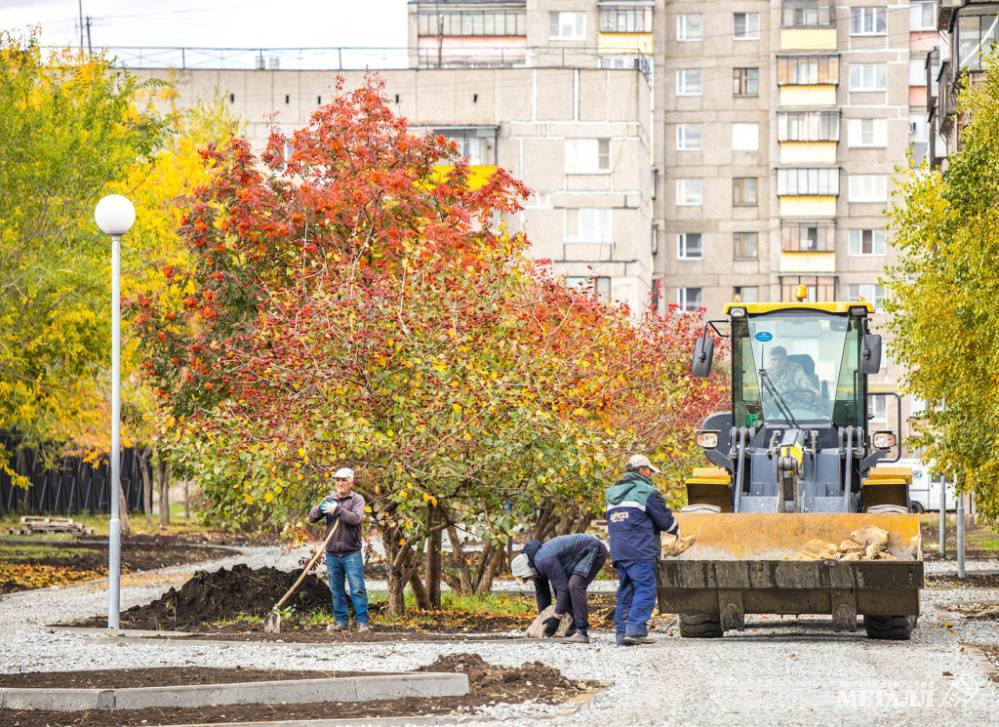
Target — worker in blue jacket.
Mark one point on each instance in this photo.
(566, 565)
(636, 515)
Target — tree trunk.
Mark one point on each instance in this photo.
(420, 593)
(433, 566)
(147, 485)
(490, 571)
(187, 499)
(398, 561)
(126, 529)
(396, 593)
(164, 490)
(464, 572)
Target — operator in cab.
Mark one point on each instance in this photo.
(788, 375)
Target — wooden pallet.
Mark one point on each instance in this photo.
(36, 524)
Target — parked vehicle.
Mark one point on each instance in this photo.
(924, 493)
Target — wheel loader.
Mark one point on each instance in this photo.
(794, 462)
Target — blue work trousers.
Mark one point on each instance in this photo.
(351, 566)
(636, 597)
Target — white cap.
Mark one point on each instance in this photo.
(640, 460)
(344, 472)
(520, 566)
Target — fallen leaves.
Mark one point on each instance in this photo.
(28, 576)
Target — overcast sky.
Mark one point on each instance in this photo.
(215, 23)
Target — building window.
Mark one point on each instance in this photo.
(808, 126)
(798, 236)
(689, 299)
(688, 193)
(975, 36)
(868, 188)
(688, 137)
(867, 132)
(923, 15)
(867, 242)
(917, 72)
(744, 192)
(746, 294)
(599, 287)
(745, 137)
(689, 246)
(807, 70)
(478, 144)
(806, 14)
(688, 82)
(688, 28)
(868, 76)
(820, 287)
(919, 130)
(567, 26)
(747, 26)
(617, 62)
(871, 292)
(867, 21)
(745, 245)
(820, 181)
(589, 224)
(877, 408)
(472, 22)
(624, 19)
(746, 81)
(587, 156)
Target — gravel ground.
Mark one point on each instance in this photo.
(776, 672)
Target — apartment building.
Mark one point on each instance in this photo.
(968, 29)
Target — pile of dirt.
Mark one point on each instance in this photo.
(225, 594)
(530, 680)
(978, 610)
(157, 677)
(867, 543)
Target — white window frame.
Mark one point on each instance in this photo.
(742, 290)
(917, 71)
(685, 192)
(587, 156)
(871, 292)
(856, 132)
(683, 251)
(683, 28)
(867, 188)
(919, 128)
(917, 15)
(865, 77)
(745, 136)
(856, 242)
(684, 141)
(682, 84)
(594, 225)
(807, 181)
(555, 23)
(864, 20)
(751, 29)
(599, 286)
(683, 303)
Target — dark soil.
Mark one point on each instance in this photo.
(970, 580)
(139, 552)
(170, 676)
(209, 597)
(934, 555)
(488, 684)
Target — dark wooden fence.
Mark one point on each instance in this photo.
(68, 486)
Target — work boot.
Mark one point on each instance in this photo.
(363, 628)
(577, 638)
(635, 640)
(335, 627)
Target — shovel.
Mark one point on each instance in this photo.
(272, 623)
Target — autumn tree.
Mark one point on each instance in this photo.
(356, 300)
(71, 126)
(945, 327)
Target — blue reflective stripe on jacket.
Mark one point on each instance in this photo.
(636, 515)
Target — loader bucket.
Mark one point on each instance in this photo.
(745, 563)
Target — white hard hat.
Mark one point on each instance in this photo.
(520, 566)
(640, 460)
(344, 472)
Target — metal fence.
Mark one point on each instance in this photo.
(70, 485)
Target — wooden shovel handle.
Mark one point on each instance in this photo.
(308, 568)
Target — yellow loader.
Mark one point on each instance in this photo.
(795, 475)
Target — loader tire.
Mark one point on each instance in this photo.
(895, 628)
(700, 626)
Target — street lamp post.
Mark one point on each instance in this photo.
(115, 215)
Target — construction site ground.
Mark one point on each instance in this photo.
(943, 675)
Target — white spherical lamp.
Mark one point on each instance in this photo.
(115, 215)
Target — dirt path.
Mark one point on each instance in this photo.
(788, 673)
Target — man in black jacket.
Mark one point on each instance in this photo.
(566, 564)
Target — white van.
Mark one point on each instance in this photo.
(924, 494)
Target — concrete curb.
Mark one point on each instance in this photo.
(572, 706)
(340, 689)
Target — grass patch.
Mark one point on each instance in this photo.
(136, 520)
